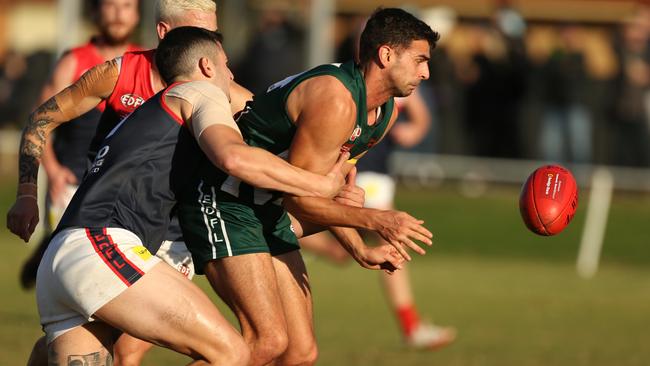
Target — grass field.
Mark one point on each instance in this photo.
(514, 296)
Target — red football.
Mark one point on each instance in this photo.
(548, 200)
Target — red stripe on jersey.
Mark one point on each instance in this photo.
(163, 103)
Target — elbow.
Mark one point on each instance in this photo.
(232, 163)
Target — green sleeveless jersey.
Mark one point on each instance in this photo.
(264, 123)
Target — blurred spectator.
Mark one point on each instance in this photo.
(494, 86)
(12, 68)
(500, 88)
(20, 80)
(347, 32)
(630, 111)
(450, 65)
(275, 52)
(566, 128)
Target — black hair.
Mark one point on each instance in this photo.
(182, 47)
(394, 27)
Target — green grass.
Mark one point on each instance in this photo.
(514, 296)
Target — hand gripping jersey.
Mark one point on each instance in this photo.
(133, 181)
(72, 139)
(265, 123)
(132, 89)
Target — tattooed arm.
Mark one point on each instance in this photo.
(77, 99)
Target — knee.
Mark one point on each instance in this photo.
(303, 354)
(125, 359)
(129, 351)
(236, 352)
(270, 346)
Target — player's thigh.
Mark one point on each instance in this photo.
(247, 283)
(295, 293)
(164, 308)
(90, 344)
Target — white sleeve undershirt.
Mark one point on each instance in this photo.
(210, 105)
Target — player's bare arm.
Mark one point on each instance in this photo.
(72, 102)
(316, 151)
(211, 123)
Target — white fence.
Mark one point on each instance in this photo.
(430, 170)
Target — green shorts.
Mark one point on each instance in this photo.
(216, 224)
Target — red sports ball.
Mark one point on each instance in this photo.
(548, 200)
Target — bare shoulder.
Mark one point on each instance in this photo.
(326, 93)
(326, 85)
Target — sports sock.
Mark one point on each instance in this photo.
(408, 319)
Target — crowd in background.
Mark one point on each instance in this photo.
(499, 87)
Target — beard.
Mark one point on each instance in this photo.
(116, 34)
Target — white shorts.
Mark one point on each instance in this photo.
(176, 254)
(82, 270)
(380, 189)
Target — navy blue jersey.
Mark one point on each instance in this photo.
(376, 159)
(72, 139)
(134, 178)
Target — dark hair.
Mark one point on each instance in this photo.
(93, 5)
(182, 47)
(394, 27)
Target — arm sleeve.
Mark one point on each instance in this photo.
(210, 105)
(93, 86)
